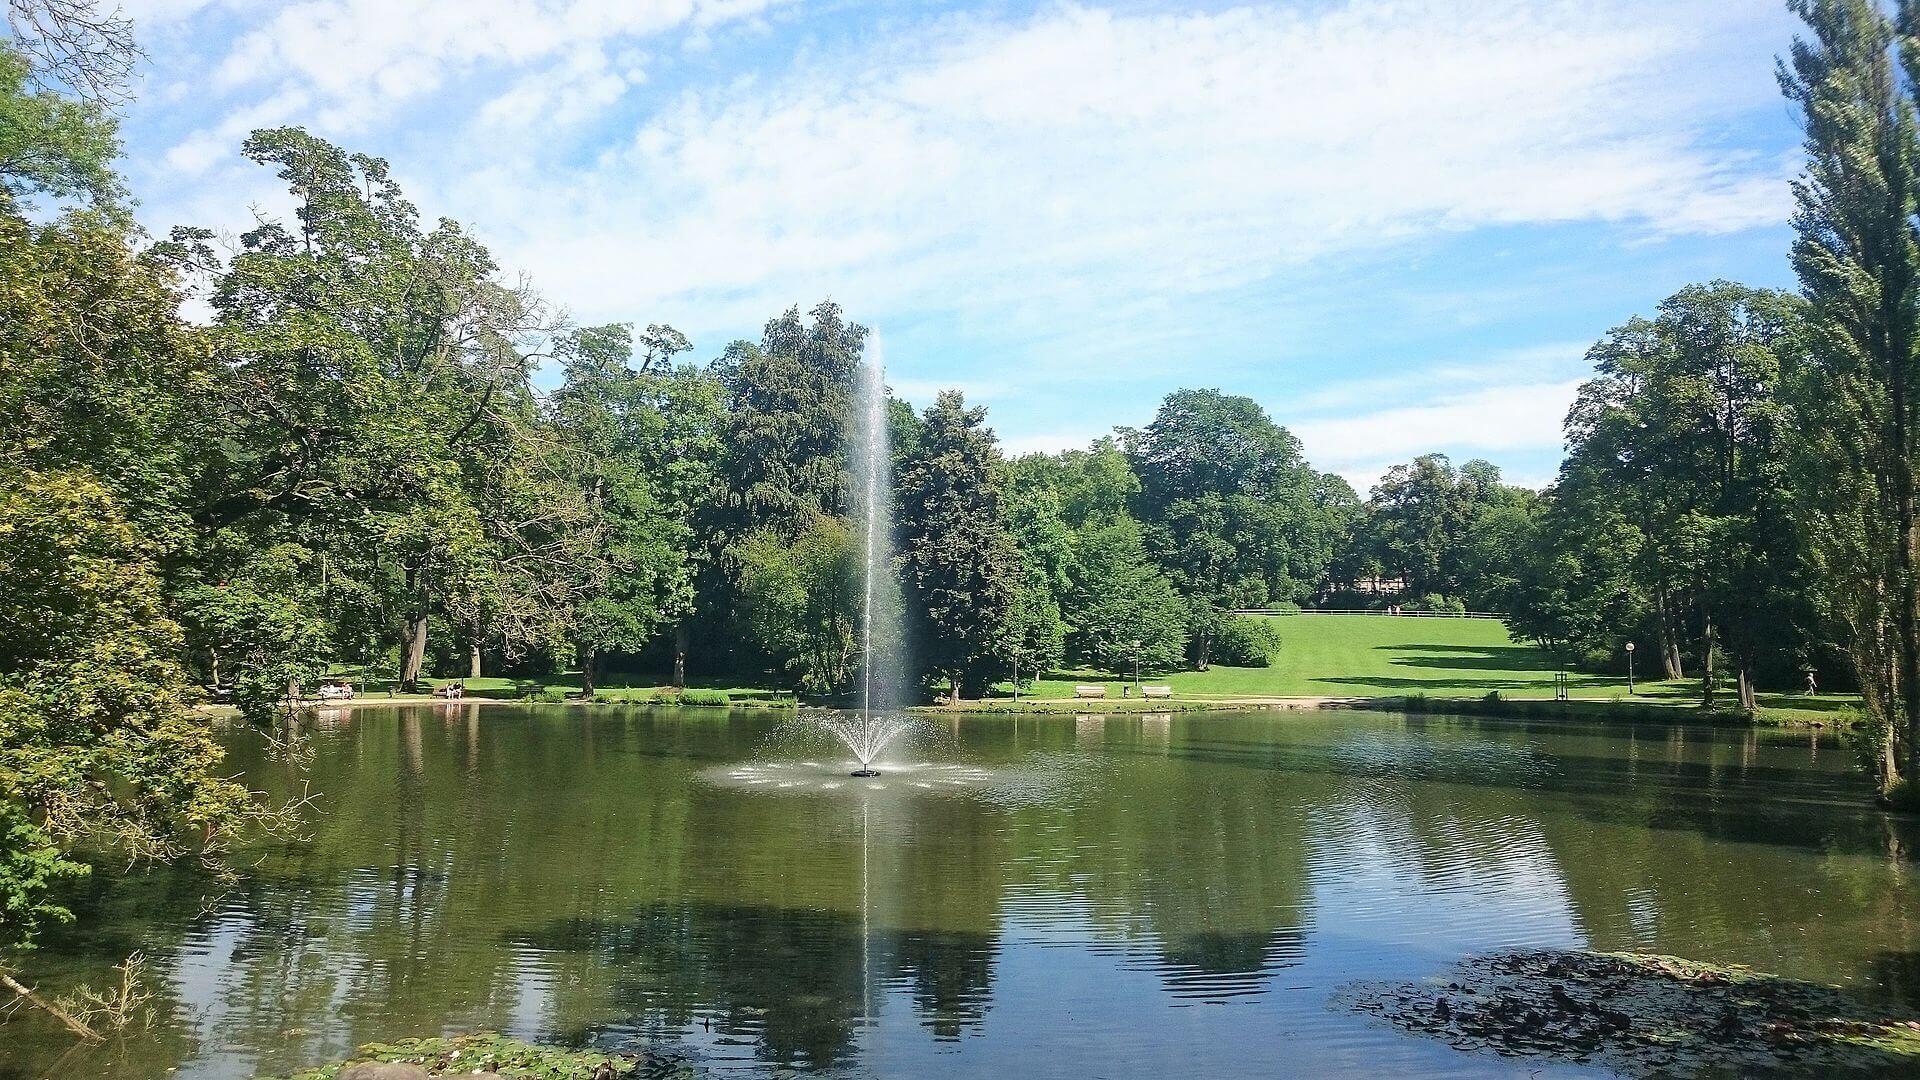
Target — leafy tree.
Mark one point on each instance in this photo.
(630, 568)
(1858, 261)
(1419, 516)
(51, 144)
(958, 559)
(800, 603)
(380, 396)
(96, 743)
(1123, 612)
(1230, 508)
(789, 403)
(1681, 432)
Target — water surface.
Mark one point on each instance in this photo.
(1102, 896)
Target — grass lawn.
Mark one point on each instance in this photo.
(1394, 656)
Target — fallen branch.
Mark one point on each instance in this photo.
(27, 995)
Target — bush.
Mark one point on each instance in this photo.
(704, 697)
(1437, 604)
(1246, 641)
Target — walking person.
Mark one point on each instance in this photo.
(1813, 685)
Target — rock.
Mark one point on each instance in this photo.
(375, 1070)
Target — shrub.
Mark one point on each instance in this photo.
(703, 697)
(1246, 641)
(1437, 604)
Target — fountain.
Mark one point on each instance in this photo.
(867, 733)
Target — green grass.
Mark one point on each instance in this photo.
(1367, 656)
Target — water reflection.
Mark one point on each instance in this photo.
(1137, 895)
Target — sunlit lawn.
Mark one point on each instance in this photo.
(1392, 656)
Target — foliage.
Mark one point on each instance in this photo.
(96, 743)
(800, 603)
(1858, 260)
(958, 558)
(1230, 509)
(51, 144)
(1247, 641)
(1126, 615)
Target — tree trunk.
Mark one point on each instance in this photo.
(1669, 647)
(1706, 662)
(589, 660)
(473, 661)
(680, 655)
(1906, 599)
(1746, 683)
(414, 651)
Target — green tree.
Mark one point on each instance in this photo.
(51, 144)
(1123, 613)
(1858, 261)
(789, 403)
(97, 745)
(799, 603)
(1232, 512)
(630, 560)
(959, 562)
(1681, 432)
(379, 400)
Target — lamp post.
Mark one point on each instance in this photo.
(1629, 669)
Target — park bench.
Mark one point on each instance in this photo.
(1156, 691)
(1089, 691)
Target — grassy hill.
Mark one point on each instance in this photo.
(1393, 656)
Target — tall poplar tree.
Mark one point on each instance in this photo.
(1857, 259)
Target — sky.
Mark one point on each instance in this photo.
(1396, 224)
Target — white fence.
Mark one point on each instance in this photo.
(1500, 615)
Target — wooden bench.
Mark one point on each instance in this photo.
(1156, 691)
(1089, 691)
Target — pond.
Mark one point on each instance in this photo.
(1119, 896)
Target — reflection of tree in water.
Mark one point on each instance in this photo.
(790, 980)
(793, 981)
(1187, 835)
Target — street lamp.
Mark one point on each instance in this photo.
(1629, 669)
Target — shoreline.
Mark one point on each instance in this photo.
(1577, 709)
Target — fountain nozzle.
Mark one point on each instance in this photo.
(864, 772)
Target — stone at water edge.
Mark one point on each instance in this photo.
(390, 1071)
(380, 1070)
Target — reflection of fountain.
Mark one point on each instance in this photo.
(865, 734)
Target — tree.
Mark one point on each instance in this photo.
(1858, 261)
(50, 144)
(1419, 516)
(1676, 458)
(379, 399)
(630, 561)
(959, 562)
(1123, 612)
(1231, 511)
(800, 603)
(96, 742)
(789, 402)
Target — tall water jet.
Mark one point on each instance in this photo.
(872, 468)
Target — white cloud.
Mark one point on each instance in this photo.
(1524, 417)
(354, 63)
(1087, 159)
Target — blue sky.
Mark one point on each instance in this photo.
(1395, 223)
